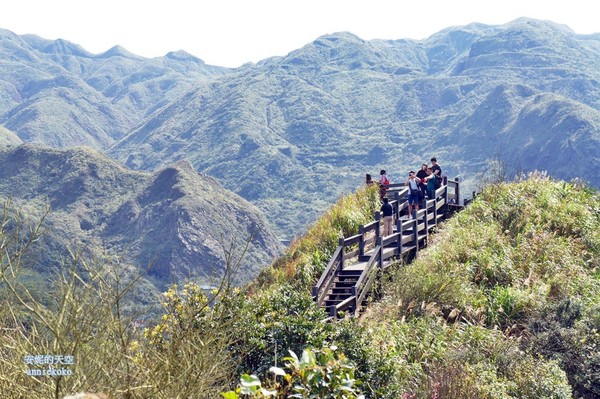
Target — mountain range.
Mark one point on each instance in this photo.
(291, 133)
(174, 223)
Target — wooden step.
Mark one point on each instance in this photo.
(350, 272)
(346, 280)
(339, 297)
(358, 266)
(341, 290)
(345, 284)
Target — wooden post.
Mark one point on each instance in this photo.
(341, 243)
(416, 235)
(361, 243)
(434, 214)
(426, 217)
(380, 245)
(457, 191)
(378, 225)
(446, 207)
(400, 238)
(394, 213)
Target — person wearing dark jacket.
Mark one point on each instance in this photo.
(388, 211)
(437, 170)
(422, 175)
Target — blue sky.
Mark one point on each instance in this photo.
(233, 32)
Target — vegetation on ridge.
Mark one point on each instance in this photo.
(503, 304)
(306, 257)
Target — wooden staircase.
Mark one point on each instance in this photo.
(348, 280)
(342, 287)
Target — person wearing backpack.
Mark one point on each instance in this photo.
(384, 183)
(432, 181)
(422, 175)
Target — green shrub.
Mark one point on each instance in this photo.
(273, 322)
(318, 374)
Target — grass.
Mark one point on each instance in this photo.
(306, 257)
(516, 247)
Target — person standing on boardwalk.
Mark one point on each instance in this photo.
(369, 180)
(384, 183)
(388, 211)
(432, 181)
(413, 192)
(437, 170)
(422, 175)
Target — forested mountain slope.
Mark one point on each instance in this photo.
(56, 93)
(172, 224)
(292, 133)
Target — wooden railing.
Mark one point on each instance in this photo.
(370, 247)
(319, 291)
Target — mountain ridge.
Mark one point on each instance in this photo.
(175, 220)
(292, 133)
(342, 106)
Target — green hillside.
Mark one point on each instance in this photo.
(173, 224)
(292, 133)
(504, 303)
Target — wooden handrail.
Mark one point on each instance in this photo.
(370, 226)
(328, 276)
(360, 289)
(355, 239)
(345, 304)
(365, 288)
(425, 218)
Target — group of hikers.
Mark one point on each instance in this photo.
(421, 185)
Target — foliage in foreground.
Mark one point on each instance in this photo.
(504, 304)
(83, 318)
(319, 374)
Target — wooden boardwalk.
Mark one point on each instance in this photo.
(359, 260)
